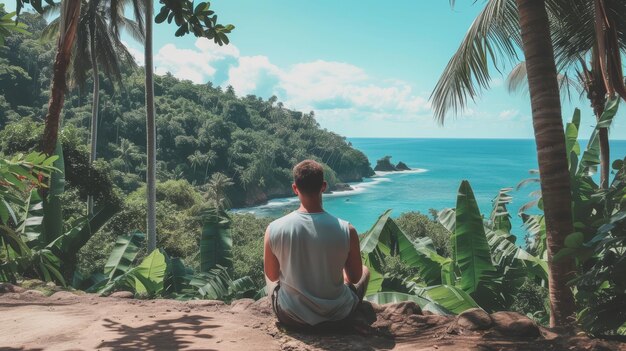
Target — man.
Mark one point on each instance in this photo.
(312, 258)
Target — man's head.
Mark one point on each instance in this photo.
(308, 179)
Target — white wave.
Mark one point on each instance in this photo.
(411, 171)
(357, 188)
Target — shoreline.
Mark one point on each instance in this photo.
(356, 187)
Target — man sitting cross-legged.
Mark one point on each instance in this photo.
(312, 259)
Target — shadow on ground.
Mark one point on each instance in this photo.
(355, 333)
(162, 334)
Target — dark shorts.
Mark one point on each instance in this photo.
(288, 321)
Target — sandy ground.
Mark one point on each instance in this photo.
(93, 323)
(64, 321)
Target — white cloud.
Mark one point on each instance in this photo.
(331, 89)
(508, 115)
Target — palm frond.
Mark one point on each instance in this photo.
(517, 81)
(493, 35)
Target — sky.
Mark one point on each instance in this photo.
(366, 68)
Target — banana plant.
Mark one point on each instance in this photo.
(215, 241)
(484, 269)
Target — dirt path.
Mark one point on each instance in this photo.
(64, 321)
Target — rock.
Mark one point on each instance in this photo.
(401, 166)
(263, 306)
(11, 296)
(123, 295)
(385, 165)
(241, 305)
(342, 187)
(474, 319)
(514, 324)
(10, 288)
(63, 295)
(32, 293)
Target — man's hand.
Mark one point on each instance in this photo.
(354, 266)
(271, 265)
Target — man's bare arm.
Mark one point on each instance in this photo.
(354, 266)
(271, 265)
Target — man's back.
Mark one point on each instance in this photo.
(312, 249)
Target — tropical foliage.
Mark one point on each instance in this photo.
(485, 267)
(598, 241)
(159, 274)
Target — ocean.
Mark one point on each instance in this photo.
(438, 167)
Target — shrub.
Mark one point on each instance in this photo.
(417, 225)
(247, 232)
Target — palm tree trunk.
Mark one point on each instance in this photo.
(550, 140)
(151, 132)
(70, 13)
(605, 160)
(94, 106)
(602, 86)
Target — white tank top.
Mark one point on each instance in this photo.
(312, 249)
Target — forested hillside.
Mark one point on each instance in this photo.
(202, 130)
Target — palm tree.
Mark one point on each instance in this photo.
(216, 190)
(494, 34)
(550, 140)
(601, 37)
(98, 43)
(209, 160)
(68, 25)
(582, 35)
(196, 159)
(150, 130)
(127, 152)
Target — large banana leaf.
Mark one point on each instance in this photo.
(376, 278)
(572, 146)
(371, 239)
(123, 254)
(212, 285)
(469, 244)
(395, 297)
(11, 239)
(449, 297)
(215, 241)
(243, 287)
(386, 297)
(387, 238)
(48, 266)
(447, 218)
(506, 253)
(32, 217)
(52, 206)
(66, 247)
(149, 275)
(177, 275)
(591, 157)
(500, 217)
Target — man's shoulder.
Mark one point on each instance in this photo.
(282, 220)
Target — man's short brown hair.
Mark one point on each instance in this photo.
(308, 176)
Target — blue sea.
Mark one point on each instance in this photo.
(439, 166)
